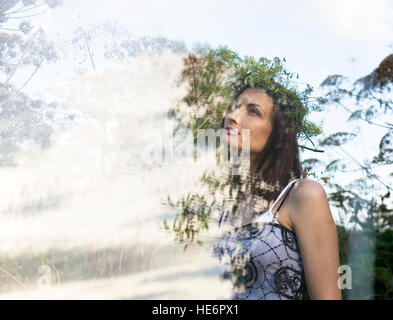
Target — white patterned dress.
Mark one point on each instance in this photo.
(262, 259)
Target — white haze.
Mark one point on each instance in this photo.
(93, 188)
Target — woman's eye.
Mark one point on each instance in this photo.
(254, 111)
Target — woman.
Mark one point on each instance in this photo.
(289, 251)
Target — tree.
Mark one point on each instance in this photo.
(114, 42)
(24, 45)
(365, 199)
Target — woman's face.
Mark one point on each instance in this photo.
(252, 111)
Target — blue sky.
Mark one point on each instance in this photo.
(316, 37)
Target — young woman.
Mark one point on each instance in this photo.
(289, 251)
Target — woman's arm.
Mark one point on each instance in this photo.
(317, 238)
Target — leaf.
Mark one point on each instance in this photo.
(174, 223)
(337, 139)
(382, 274)
(390, 282)
(370, 112)
(325, 179)
(309, 164)
(386, 141)
(355, 115)
(385, 149)
(333, 80)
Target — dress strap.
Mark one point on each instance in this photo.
(289, 185)
(222, 219)
(268, 215)
(281, 194)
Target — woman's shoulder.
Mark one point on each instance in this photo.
(307, 193)
(309, 186)
(304, 194)
(311, 215)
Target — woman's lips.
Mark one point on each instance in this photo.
(231, 131)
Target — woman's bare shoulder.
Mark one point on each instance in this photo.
(307, 196)
(309, 188)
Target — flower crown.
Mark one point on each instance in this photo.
(215, 76)
(294, 104)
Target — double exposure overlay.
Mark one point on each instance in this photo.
(174, 150)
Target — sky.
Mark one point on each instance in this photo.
(316, 37)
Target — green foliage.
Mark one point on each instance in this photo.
(193, 219)
(272, 76)
(384, 265)
(363, 264)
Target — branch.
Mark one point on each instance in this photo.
(29, 16)
(356, 195)
(32, 75)
(368, 121)
(309, 138)
(90, 56)
(372, 174)
(13, 278)
(21, 59)
(116, 47)
(372, 167)
(20, 10)
(26, 82)
(8, 29)
(314, 150)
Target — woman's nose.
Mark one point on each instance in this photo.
(235, 116)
